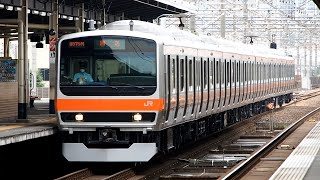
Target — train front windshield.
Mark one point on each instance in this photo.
(107, 66)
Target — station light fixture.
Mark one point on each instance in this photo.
(64, 17)
(9, 8)
(70, 18)
(76, 18)
(49, 13)
(29, 11)
(35, 12)
(17, 8)
(1, 6)
(43, 13)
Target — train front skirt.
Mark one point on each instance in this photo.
(137, 152)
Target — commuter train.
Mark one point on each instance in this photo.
(155, 90)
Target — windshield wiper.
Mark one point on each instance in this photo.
(125, 84)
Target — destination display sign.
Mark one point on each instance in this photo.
(113, 44)
(77, 44)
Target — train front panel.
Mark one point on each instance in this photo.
(107, 98)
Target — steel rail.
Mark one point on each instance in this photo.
(237, 172)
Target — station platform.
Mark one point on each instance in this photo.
(304, 161)
(39, 123)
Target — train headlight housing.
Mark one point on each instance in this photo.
(79, 117)
(137, 117)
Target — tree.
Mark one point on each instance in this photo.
(39, 79)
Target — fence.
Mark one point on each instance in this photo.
(42, 92)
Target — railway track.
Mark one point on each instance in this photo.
(247, 165)
(189, 158)
(88, 174)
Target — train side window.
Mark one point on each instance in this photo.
(254, 72)
(177, 79)
(190, 75)
(234, 73)
(273, 69)
(257, 73)
(276, 67)
(213, 73)
(279, 78)
(292, 72)
(218, 73)
(224, 65)
(173, 75)
(210, 74)
(186, 72)
(280, 73)
(260, 73)
(169, 84)
(251, 73)
(245, 74)
(269, 72)
(273, 72)
(222, 68)
(228, 74)
(177, 74)
(205, 75)
(201, 74)
(263, 74)
(193, 82)
(182, 74)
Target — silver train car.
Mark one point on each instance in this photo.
(149, 90)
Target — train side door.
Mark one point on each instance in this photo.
(181, 95)
(190, 92)
(171, 89)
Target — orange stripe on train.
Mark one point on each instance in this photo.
(109, 104)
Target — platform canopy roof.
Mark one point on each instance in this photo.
(145, 10)
(317, 2)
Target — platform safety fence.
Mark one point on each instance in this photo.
(42, 92)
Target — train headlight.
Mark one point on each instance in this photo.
(79, 117)
(137, 117)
